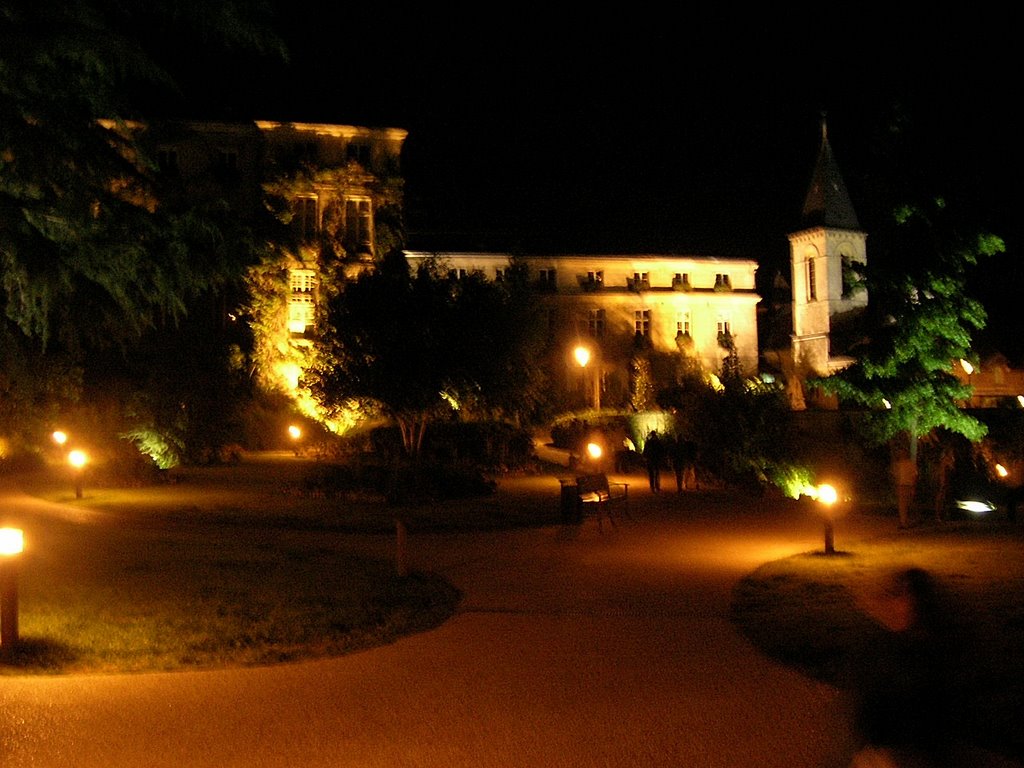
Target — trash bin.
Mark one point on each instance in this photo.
(571, 512)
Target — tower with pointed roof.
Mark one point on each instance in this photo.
(823, 256)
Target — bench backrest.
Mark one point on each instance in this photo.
(591, 483)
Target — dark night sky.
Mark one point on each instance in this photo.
(537, 129)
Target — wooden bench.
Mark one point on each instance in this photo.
(596, 493)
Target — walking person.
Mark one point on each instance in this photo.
(684, 456)
(654, 455)
(904, 701)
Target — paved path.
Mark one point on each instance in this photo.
(572, 648)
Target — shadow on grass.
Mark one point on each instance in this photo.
(37, 656)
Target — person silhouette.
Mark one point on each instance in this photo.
(903, 697)
(683, 456)
(654, 454)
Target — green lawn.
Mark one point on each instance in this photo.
(225, 567)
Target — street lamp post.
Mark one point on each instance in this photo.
(582, 355)
(12, 543)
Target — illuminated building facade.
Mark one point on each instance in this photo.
(669, 306)
(824, 257)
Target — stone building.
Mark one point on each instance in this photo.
(669, 306)
(336, 192)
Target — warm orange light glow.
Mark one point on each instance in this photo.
(827, 494)
(77, 459)
(60, 437)
(968, 368)
(294, 432)
(594, 450)
(582, 355)
(12, 541)
(1001, 470)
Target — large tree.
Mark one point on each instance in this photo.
(91, 255)
(923, 318)
(418, 345)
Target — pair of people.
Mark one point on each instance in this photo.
(681, 454)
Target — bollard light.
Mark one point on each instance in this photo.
(827, 497)
(12, 544)
(78, 459)
(295, 434)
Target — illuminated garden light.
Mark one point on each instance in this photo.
(827, 496)
(966, 365)
(582, 355)
(295, 433)
(594, 451)
(12, 543)
(78, 459)
(60, 437)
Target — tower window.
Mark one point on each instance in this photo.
(812, 282)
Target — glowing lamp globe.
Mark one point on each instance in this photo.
(12, 541)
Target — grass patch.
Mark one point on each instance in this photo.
(818, 613)
(220, 569)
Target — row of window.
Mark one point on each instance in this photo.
(301, 310)
(548, 278)
(642, 319)
(357, 219)
(227, 159)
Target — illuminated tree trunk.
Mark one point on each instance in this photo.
(412, 427)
